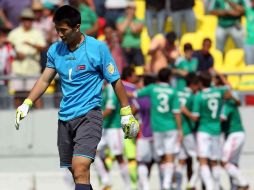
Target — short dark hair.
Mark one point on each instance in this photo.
(68, 14)
(205, 78)
(207, 40)
(191, 78)
(164, 74)
(171, 37)
(149, 79)
(127, 72)
(187, 47)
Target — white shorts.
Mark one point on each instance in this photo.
(232, 147)
(145, 150)
(209, 146)
(188, 147)
(165, 142)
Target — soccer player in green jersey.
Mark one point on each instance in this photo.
(206, 108)
(188, 146)
(165, 122)
(235, 136)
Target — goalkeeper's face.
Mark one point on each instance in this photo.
(66, 33)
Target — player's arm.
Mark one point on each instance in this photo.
(226, 109)
(239, 8)
(187, 113)
(136, 27)
(42, 84)
(196, 108)
(228, 95)
(175, 104)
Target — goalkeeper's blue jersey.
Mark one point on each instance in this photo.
(82, 73)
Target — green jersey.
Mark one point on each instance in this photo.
(186, 99)
(207, 105)
(186, 65)
(249, 12)
(110, 101)
(88, 18)
(130, 39)
(164, 103)
(233, 122)
(225, 21)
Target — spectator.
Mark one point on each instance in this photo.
(114, 10)
(43, 22)
(163, 52)
(28, 43)
(89, 19)
(205, 59)
(229, 23)
(10, 11)
(48, 11)
(184, 65)
(249, 42)
(157, 10)
(182, 12)
(113, 41)
(100, 7)
(130, 28)
(6, 57)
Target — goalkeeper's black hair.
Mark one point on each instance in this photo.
(67, 14)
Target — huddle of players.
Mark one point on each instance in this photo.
(177, 125)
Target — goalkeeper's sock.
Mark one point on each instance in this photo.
(83, 187)
(132, 165)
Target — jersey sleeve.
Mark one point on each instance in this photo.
(50, 59)
(175, 104)
(196, 105)
(108, 66)
(146, 91)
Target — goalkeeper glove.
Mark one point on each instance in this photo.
(129, 124)
(22, 111)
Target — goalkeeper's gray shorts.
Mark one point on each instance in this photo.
(79, 137)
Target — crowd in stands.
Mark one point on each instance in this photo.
(163, 35)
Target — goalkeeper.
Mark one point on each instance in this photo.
(82, 64)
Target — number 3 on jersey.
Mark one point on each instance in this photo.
(213, 106)
(163, 106)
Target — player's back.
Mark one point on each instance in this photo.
(207, 105)
(164, 102)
